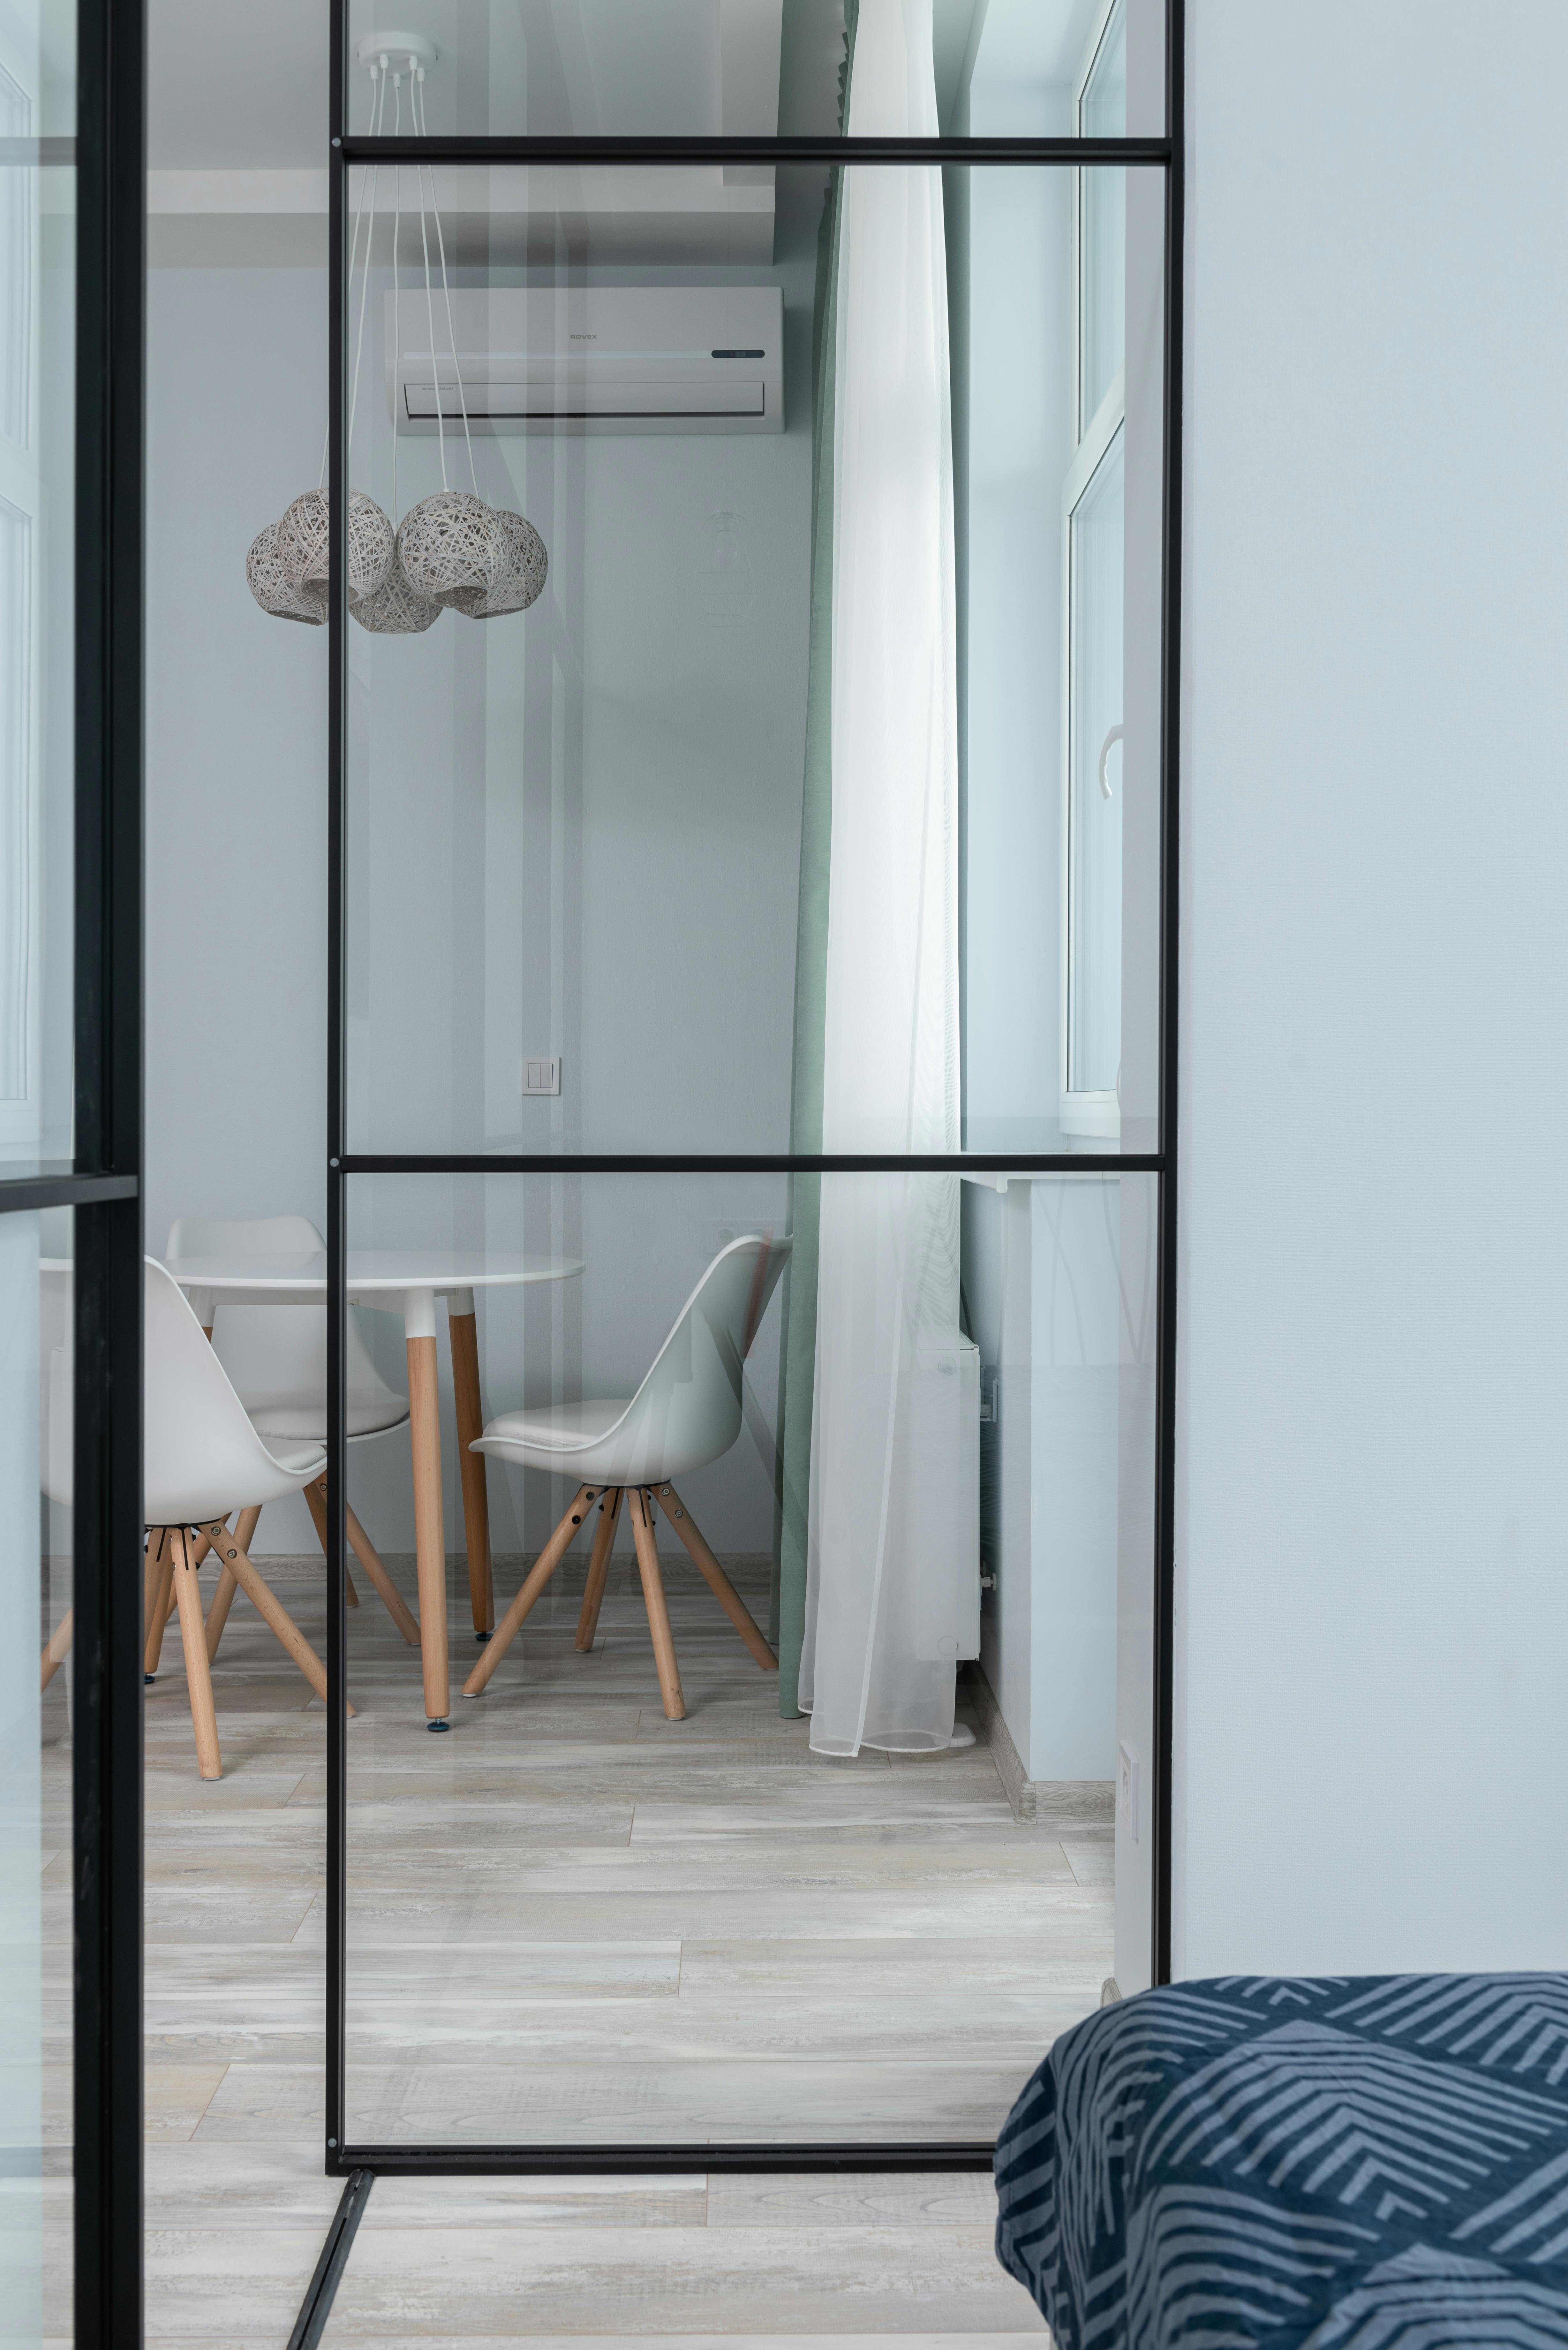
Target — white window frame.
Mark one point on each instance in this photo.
(1089, 1111)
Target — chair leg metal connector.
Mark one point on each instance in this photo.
(438, 1725)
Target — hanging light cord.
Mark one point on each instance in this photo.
(353, 249)
(429, 297)
(446, 296)
(378, 93)
(397, 237)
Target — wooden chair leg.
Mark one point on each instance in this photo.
(549, 1559)
(599, 1568)
(160, 1597)
(56, 1648)
(198, 1546)
(658, 1612)
(224, 1598)
(713, 1575)
(218, 1613)
(392, 1599)
(271, 1609)
(198, 1676)
(316, 1502)
(152, 1572)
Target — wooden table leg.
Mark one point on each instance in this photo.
(430, 1538)
(463, 1332)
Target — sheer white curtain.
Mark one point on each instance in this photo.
(887, 1287)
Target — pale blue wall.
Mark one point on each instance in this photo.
(1372, 1746)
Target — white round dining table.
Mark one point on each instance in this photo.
(406, 1282)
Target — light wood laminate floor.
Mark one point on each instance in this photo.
(572, 1920)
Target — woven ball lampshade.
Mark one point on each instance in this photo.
(458, 550)
(396, 609)
(303, 549)
(269, 583)
(523, 581)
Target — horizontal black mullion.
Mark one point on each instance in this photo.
(972, 1162)
(522, 2161)
(63, 1191)
(440, 146)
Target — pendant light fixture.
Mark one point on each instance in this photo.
(452, 548)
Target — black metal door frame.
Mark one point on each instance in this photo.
(1167, 154)
(102, 1181)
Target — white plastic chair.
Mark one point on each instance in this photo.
(200, 1460)
(276, 1356)
(686, 1413)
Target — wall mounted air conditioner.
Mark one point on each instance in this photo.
(603, 359)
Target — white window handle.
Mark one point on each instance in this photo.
(1114, 736)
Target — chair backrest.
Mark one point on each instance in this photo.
(688, 1409)
(274, 1354)
(201, 1456)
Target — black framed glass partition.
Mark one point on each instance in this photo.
(70, 1148)
(751, 905)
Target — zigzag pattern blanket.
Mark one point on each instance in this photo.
(1375, 2163)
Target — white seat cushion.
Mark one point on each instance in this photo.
(299, 1457)
(560, 1428)
(603, 1442)
(302, 1420)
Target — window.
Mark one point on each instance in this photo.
(1093, 510)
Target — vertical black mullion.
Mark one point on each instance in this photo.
(107, 1766)
(337, 1310)
(1169, 886)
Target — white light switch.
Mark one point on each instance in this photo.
(542, 1077)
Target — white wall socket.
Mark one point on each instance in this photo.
(1128, 1793)
(541, 1077)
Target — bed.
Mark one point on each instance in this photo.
(1372, 2163)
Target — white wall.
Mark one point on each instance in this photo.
(573, 832)
(1372, 1746)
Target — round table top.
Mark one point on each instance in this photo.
(369, 1271)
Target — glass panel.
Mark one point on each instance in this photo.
(1097, 540)
(688, 848)
(37, 408)
(741, 1814)
(36, 1714)
(1101, 288)
(735, 69)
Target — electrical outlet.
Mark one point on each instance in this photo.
(1128, 1793)
(541, 1077)
(723, 1232)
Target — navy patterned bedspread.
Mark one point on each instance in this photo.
(1376, 2163)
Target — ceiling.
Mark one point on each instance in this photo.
(237, 105)
(242, 88)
